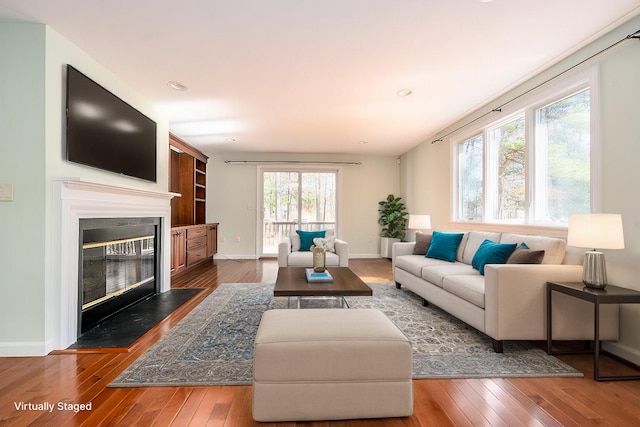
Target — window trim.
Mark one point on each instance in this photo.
(527, 105)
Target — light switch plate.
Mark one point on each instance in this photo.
(6, 192)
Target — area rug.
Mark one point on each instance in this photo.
(213, 345)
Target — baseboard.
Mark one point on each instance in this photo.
(625, 352)
(351, 256)
(23, 349)
(225, 256)
(367, 256)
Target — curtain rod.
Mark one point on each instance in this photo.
(498, 109)
(256, 162)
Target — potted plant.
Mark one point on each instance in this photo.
(393, 218)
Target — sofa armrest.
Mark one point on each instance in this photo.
(284, 249)
(342, 250)
(515, 298)
(401, 248)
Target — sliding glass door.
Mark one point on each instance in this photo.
(296, 200)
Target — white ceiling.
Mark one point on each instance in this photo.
(319, 76)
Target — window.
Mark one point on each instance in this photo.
(471, 173)
(506, 184)
(296, 200)
(563, 148)
(535, 166)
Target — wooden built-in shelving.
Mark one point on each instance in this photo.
(192, 239)
(187, 176)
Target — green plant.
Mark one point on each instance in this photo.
(393, 217)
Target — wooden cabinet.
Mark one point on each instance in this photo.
(212, 239)
(196, 244)
(178, 249)
(192, 244)
(187, 176)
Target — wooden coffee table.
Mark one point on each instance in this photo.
(291, 282)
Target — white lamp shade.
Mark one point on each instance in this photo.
(419, 222)
(596, 231)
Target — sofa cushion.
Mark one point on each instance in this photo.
(524, 255)
(415, 263)
(306, 238)
(492, 253)
(423, 240)
(444, 246)
(435, 274)
(469, 287)
(463, 244)
(305, 259)
(295, 242)
(553, 248)
(474, 241)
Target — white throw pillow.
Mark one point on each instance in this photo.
(327, 243)
(295, 242)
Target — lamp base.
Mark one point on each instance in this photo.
(594, 271)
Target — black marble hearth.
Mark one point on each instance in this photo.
(130, 324)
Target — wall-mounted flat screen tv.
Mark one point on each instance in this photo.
(105, 132)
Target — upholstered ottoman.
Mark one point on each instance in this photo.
(330, 364)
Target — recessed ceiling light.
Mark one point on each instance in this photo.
(363, 142)
(229, 139)
(177, 86)
(405, 92)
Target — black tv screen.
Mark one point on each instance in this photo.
(105, 132)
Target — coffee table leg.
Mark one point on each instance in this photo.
(345, 303)
(297, 302)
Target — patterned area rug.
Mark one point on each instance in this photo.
(213, 345)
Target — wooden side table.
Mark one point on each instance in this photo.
(610, 295)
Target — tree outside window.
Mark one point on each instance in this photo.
(563, 142)
(508, 160)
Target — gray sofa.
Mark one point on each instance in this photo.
(508, 302)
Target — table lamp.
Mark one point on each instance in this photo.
(419, 222)
(602, 231)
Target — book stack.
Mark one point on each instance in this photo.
(313, 277)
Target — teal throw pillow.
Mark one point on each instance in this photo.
(306, 238)
(492, 253)
(444, 246)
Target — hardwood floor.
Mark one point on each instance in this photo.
(81, 377)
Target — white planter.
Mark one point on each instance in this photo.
(386, 246)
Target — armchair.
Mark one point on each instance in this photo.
(289, 254)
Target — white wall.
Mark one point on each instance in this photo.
(620, 87)
(232, 199)
(425, 182)
(32, 124)
(426, 169)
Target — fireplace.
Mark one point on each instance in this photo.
(117, 266)
(76, 200)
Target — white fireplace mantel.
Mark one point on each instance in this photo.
(80, 184)
(75, 199)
